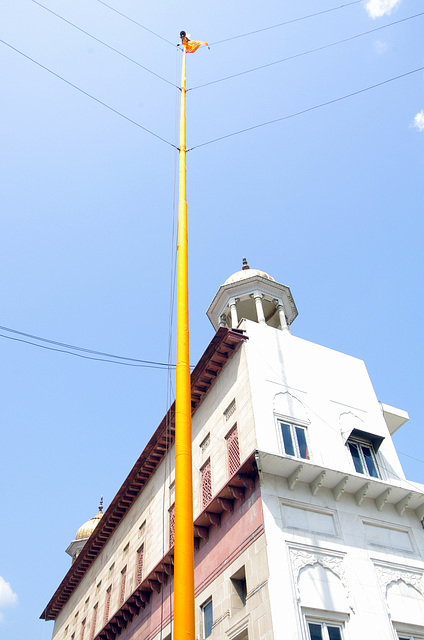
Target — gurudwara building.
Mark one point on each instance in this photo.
(304, 524)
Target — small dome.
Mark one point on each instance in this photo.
(247, 272)
(88, 527)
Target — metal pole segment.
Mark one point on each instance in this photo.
(184, 541)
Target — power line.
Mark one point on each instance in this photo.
(412, 457)
(281, 24)
(298, 113)
(137, 23)
(82, 349)
(304, 53)
(137, 124)
(106, 45)
(81, 355)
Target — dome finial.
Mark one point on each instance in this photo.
(101, 504)
(245, 265)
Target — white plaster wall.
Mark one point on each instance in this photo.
(367, 566)
(330, 390)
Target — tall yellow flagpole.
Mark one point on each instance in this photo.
(184, 541)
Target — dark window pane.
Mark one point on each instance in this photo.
(369, 461)
(287, 439)
(334, 633)
(301, 441)
(356, 458)
(207, 618)
(315, 632)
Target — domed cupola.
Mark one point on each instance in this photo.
(84, 532)
(254, 295)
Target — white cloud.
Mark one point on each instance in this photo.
(419, 120)
(378, 8)
(380, 47)
(7, 597)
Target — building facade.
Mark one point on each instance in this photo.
(304, 524)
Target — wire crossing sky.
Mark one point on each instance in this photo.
(327, 199)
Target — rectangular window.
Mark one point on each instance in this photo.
(207, 618)
(122, 586)
(171, 525)
(233, 451)
(206, 483)
(82, 630)
(139, 568)
(294, 440)
(324, 631)
(363, 457)
(205, 442)
(230, 410)
(107, 604)
(239, 589)
(94, 621)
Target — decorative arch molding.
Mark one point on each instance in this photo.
(390, 575)
(300, 559)
(348, 421)
(290, 406)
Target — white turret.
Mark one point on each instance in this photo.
(254, 295)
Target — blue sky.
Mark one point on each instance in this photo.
(328, 202)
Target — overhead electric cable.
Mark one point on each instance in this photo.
(281, 24)
(137, 23)
(408, 456)
(298, 113)
(106, 45)
(83, 349)
(81, 355)
(137, 124)
(304, 53)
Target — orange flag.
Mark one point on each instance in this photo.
(193, 45)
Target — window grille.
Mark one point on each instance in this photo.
(206, 483)
(172, 525)
(140, 557)
(94, 621)
(107, 604)
(141, 529)
(205, 442)
(233, 452)
(230, 410)
(122, 586)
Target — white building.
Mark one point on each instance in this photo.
(304, 523)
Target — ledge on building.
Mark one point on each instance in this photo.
(395, 418)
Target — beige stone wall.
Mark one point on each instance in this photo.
(153, 503)
(233, 384)
(232, 619)
(151, 508)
